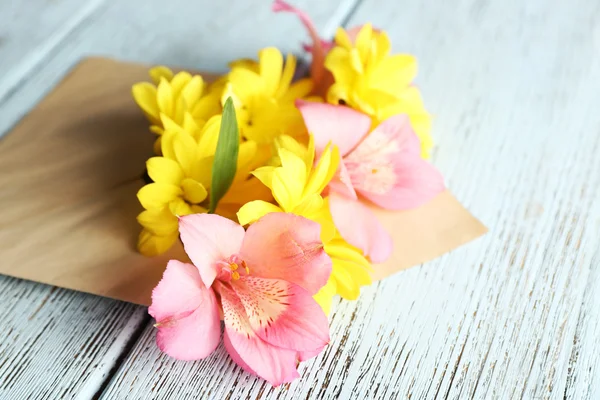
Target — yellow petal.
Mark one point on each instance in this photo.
(209, 136)
(394, 73)
(339, 63)
(156, 129)
(179, 81)
(144, 95)
(157, 147)
(289, 143)
(356, 62)
(192, 92)
(152, 245)
(245, 191)
(246, 154)
(298, 90)
(179, 208)
(309, 205)
(166, 145)
(342, 39)
(159, 72)
(245, 83)
(339, 248)
(383, 46)
(201, 171)
(168, 124)
(309, 157)
(157, 195)
(289, 180)
(271, 65)
(361, 276)
(164, 97)
(363, 42)
(185, 149)
(295, 170)
(193, 191)
(323, 217)
(346, 286)
(287, 75)
(324, 171)
(324, 296)
(164, 170)
(338, 93)
(158, 222)
(246, 63)
(254, 210)
(265, 175)
(196, 209)
(190, 125)
(206, 107)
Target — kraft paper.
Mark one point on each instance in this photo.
(69, 173)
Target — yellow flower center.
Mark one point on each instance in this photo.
(235, 275)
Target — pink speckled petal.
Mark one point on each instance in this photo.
(283, 314)
(272, 363)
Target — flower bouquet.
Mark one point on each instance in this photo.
(285, 189)
(273, 184)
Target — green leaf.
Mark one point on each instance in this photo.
(226, 155)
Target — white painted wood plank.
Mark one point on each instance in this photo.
(63, 344)
(514, 87)
(56, 341)
(29, 30)
(203, 35)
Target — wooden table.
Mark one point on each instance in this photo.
(515, 90)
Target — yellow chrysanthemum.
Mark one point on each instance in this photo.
(296, 187)
(264, 95)
(181, 183)
(369, 79)
(173, 97)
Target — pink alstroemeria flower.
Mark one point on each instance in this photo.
(383, 166)
(261, 281)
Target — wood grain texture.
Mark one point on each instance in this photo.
(514, 87)
(70, 346)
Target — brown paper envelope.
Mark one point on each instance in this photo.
(69, 173)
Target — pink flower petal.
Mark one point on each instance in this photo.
(287, 246)
(186, 312)
(340, 125)
(274, 364)
(307, 355)
(235, 355)
(283, 314)
(417, 182)
(360, 227)
(207, 239)
(387, 168)
(341, 182)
